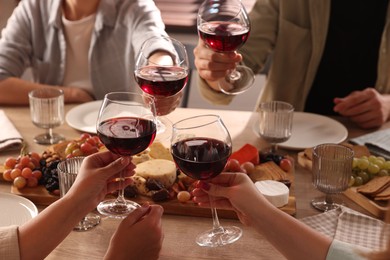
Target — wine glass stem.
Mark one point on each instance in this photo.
(121, 192)
(217, 228)
(49, 132)
(328, 199)
(274, 147)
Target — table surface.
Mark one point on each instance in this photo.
(180, 231)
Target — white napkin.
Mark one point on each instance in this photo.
(10, 138)
(350, 226)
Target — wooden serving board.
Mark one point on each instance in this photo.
(377, 208)
(39, 195)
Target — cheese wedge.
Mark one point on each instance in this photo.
(161, 170)
(274, 191)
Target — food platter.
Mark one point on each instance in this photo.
(16, 210)
(83, 117)
(310, 130)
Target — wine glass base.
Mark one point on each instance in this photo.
(322, 205)
(48, 139)
(234, 85)
(214, 239)
(114, 209)
(164, 129)
(88, 222)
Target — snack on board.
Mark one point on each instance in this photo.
(376, 187)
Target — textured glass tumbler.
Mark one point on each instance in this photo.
(47, 112)
(332, 169)
(67, 173)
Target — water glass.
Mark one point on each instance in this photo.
(332, 169)
(47, 112)
(67, 173)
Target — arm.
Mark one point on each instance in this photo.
(38, 237)
(292, 238)
(367, 108)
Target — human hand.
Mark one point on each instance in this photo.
(165, 105)
(367, 108)
(138, 236)
(97, 177)
(234, 191)
(76, 95)
(213, 66)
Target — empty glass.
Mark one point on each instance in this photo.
(332, 169)
(47, 112)
(67, 173)
(275, 122)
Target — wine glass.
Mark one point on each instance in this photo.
(275, 122)
(47, 112)
(161, 70)
(332, 169)
(67, 173)
(126, 125)
(201, 146)
(224, 26)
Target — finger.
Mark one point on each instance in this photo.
(136, 215)
(116, 166)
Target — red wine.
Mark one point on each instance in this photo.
(223, 36)
(201, 158)
(161, 81)
(127, 135)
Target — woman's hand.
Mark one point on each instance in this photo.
(139, 235)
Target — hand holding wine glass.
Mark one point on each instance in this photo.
(224, 26)
(126, 125)
(161, 70)
(275, 122)
(201, 146)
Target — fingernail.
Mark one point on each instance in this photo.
(124, 161)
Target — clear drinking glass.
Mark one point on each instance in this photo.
(126, 125)
(162, 75)
(224, 26)
(47, 112)
(201, 146)
(275, 122)
(67, 173)
(332, 169)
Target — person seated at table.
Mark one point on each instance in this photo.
(86, 48)
(294, 239)
(328, 57)
(138, 236)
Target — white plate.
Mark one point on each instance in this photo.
(83, 117)
(310, 130)
(15, 210)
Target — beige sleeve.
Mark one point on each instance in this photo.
(9, 243)
(214, 97)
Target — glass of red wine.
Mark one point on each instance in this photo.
(201, 147)
(161, 70)
(224, 26)
(126, 125)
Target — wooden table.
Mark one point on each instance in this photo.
(180, 231)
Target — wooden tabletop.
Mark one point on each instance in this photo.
(180, 231)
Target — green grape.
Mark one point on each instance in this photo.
(386, 165)
(351, 181)
(355, 162)
(379, 163)
(364, 175)
(383, 172)
(363, 163)
(371, 158)
(358, 181)
(373, 168)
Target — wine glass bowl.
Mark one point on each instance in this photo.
(332, 169)
(47, 112)
(224, 26)
(201, 147)
(162, 70)
(126, 125)
(275, 122)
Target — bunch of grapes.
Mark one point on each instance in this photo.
(85, 145)
(365, 168)
(23, 171)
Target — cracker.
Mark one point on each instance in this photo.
(268, 171)
(159, 151)
(374, 186)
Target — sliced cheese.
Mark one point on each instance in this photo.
(274, 191)
(161, 170)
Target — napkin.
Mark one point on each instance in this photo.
(350, 226)
(10, 138)
(377, 142)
